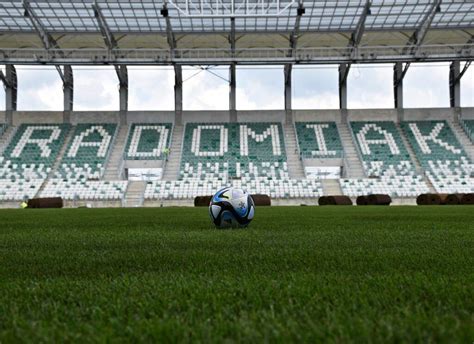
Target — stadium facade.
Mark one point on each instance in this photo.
(128, 158)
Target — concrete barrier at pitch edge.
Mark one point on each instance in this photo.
(334, 200)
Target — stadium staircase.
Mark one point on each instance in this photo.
(295, 167)
(463, 139)
(174, 159)
(134, 194)
(354, 165)
(112, 170)
(414, 159)
(331, 187)
(6, 137)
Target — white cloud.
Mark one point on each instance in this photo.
(95, 88)
(39, 88)
(203, 90)
(370, 86)
(315, 87)
(426, 85)
(467, 87)
(260, 89)
(150, 88)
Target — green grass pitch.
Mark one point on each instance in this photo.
(336, 274)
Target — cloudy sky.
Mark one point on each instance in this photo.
(314, 87)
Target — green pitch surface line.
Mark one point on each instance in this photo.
(312, 274)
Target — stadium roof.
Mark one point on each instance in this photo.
(242, 31)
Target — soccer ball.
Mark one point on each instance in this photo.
(231, 207)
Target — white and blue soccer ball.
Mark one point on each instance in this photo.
(231, 208)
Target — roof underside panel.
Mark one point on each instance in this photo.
(198, 16)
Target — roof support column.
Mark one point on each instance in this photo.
(288, 89)
(343, 73)
(68, 88)
(232, 93)
(10, 83)
(398, 84)
(178, 94)
(455, 84)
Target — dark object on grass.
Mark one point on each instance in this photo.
(362, 200)
(467, 198)
(52, 202)
(334, 200)
(261, 200)
(379, 199)
(431, 199)
(454, 199)
(258, 199)
(202, 201)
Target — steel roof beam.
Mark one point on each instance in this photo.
(107, 35)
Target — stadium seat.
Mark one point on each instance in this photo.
(87, 153)
(148, 141)
(318, 140)
(441, 156)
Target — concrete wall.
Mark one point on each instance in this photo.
(150, 117)
(242, 116)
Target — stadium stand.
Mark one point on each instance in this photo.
(468, 126)
(249, 155)
(81, 169)
(148, 141)
(441, 156)
(27, 160)
(386, 162)
(318, 140)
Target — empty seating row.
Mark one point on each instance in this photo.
(395, 186)
(318, 140)
(441, 155)
(148, 141)
(85, 189)
(19, 189)
(188, 189)
(381, 149)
